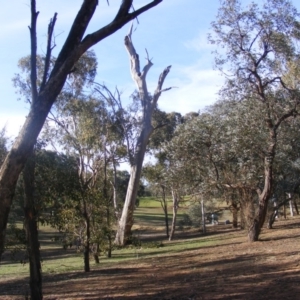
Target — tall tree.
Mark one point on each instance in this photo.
(148, 104)
(82, 129)
(259, 44)
(44, 95)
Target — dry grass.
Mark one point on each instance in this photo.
(220, 265)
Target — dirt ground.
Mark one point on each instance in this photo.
(232, 269)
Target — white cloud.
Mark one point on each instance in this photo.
(199, 43)
(197, 88)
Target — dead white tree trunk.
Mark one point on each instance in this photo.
(148, 103)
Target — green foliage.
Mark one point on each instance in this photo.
(165, 124)
(3, 145)
(15, 243)
(83, 74)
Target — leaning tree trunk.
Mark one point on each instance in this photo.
(264, 196)
(136, 160)
(76, 44)
(272, 218)
(126, 220)
(31, 228)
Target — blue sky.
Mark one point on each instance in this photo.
(174, 33)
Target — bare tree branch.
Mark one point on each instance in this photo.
(33, 40)
(49, 50)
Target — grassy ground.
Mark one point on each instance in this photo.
(219, 265)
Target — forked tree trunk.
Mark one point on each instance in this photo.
(30, 224)
(264, 196)
(136, 160)
(76, 44)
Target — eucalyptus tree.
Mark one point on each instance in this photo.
(258, 44)
(156, 174)
(286, 169)
(43, 96)
(82, 130)
(38, 195)
(148, 103)
(219, 152)
(157, 178)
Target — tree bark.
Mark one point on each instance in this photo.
(136, 160)
(86, 251)
(264, 196)
(96, 253)
(175, 209)
(165, 209)
(203, 217)
(234, 214)
(75, 45)
(126, 220)
(30, 224)
(242, 216)
(291, 206)
(272, 218)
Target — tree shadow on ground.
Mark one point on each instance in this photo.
(230, 269)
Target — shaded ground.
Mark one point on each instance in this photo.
(231, 269)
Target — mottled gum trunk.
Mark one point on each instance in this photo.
(258, 221)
